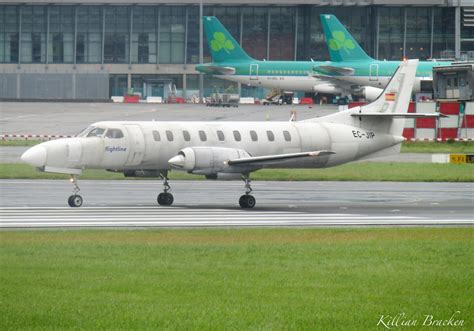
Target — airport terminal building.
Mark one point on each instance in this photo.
(92, 50)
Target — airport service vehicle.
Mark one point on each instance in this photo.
(232, 150)
(223, 100)
(350, 71)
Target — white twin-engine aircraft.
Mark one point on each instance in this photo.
(232, 150)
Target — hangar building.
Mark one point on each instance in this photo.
(92, 50)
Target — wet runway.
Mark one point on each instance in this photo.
(132, 203)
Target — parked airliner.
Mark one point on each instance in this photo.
(232, 150)
(350, 70)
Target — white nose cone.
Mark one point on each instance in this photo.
(177, 161)
(35, 156)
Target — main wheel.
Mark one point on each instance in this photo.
(165, 199)
(75, 200)
(247, 201)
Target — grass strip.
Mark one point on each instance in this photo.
(462, 147)
(8, 143)
(367, 171)
(214, 279)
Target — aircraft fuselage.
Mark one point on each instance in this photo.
(150, 145)
(304, 75)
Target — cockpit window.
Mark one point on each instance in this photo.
(97, 132)
(85, 131)
(114, 133)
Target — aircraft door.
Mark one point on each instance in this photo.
(136, 142)
(374, 72)
(254, 72)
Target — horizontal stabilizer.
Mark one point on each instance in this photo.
(276, 157)
(333, 70)
(210, 69)
(399, 115)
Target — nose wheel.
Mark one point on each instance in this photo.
(165, 198)
(247, 200)
(75, 200)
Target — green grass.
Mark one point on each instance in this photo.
(369, 171)
(19, 142)
(372, 171)
(465, 147)
(270, 279)
(407, 147)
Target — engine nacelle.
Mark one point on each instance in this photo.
(207, 160)
(370, 93)
(327, 88)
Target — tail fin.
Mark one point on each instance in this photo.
(388, 112)
(342, 46)
(221, 43)
(395, 98)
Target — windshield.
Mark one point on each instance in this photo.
(85, 131)
(96, 132)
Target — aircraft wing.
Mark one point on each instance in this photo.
(333, 70)
(401, 115)
(262, 160)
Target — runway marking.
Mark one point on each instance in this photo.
(59, 217)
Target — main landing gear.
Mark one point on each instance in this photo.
(165, 198)
(247, 201)
(75, 200)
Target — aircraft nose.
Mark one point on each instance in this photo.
(35, 156)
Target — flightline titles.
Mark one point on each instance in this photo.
(115, 149)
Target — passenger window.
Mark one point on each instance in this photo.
(202, 135)
(237, 136)
(253, 135)
(186, 136)
(220, 135)
(97, 132)
(169, 135)
(287, 135)
(114, 133)
(156, 135)
(270, 135)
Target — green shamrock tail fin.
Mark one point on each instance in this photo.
(222, 45)
(341, 45)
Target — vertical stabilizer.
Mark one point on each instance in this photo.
(222, 45)
(341, 45)
(396, 96)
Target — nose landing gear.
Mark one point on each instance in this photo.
(165, 198)
(75, 200)
(247, 201)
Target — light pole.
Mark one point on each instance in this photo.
(201, 55)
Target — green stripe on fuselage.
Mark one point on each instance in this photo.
(305, 68)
